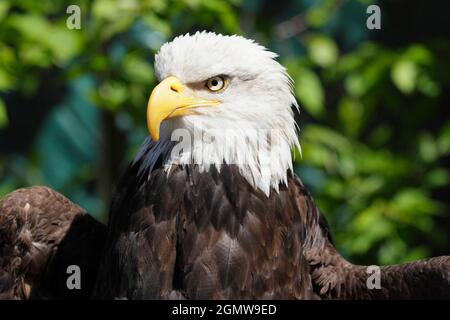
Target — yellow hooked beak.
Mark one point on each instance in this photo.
(168, 100)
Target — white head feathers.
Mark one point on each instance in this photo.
(257, 99)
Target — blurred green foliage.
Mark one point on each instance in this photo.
(375, 141)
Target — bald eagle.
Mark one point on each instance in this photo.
(210, 207)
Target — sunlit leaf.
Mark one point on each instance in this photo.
(360, 82)
(371, 227)
(35, 55)
(317, 17)
(6, 80)
(328, 137)
(137, 69)
(438, 177)
(4, 7)
(404, 73)
(157, 24)
(419, 54)
(322, 51)
(309, 91)
(428, 150)
(3, 115)
(443, 140)
(428, 86)
(106, 9)
(413, 206)
(31, 26)
(64, 43)
(351, 113)
(391, 251)
(110, 95)
(7, 57)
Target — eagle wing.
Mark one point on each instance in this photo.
(202, 235)
(335, 278)
(42, 233)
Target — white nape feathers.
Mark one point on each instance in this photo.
(256, 107)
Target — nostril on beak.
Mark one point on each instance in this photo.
(174, 88)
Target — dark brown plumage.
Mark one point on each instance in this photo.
(41, 234)
(211, 235)
(336, 278)
(191, 235)
(204, 235)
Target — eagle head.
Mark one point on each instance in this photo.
(227, 97)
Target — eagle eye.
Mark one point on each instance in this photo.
(216, 83)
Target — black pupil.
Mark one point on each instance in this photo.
(214, 82)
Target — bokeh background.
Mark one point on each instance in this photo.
(374, 126)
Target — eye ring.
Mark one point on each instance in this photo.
(216, 84)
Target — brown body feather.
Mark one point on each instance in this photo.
(205, 235)
(41, 234)
(211, 235)
(336, 278)
(191, 235)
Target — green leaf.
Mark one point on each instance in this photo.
(63, 43)
(309, 91)
(443, 141)
(4, 7)
(428, 149)
(137, 69)
(419, 54)
(371, 226)
(322, 51)
(7, 56)
(6, 80)
(3, 115)
(328, 137)
(428, 86)
(354, 84)
(99, 62)
(417, 253)
(391, 250)
(438, 177)
(158, 24)
(34, 55)
(318, 17)
(106, 9)
(404, 74)
(351, 113)
(112, 94)
(31, 26)
(361, 81)
(336, 189)
(413, 206)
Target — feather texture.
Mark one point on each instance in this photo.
(194, 234)
(207, 234)
(41, 234)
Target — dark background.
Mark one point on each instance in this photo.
(374, 132)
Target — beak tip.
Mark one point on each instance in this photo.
(154, 135)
